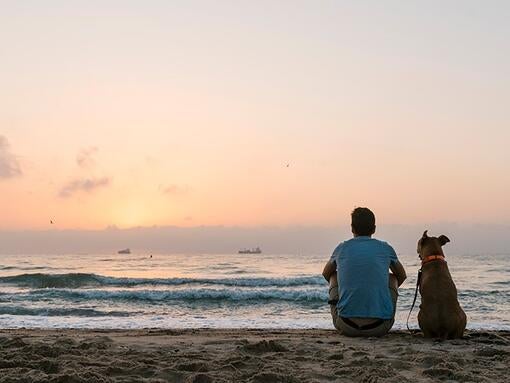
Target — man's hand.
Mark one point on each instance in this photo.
(329, 269)
(398, 270)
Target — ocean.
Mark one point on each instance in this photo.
(216, 291)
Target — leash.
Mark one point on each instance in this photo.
(418, 282)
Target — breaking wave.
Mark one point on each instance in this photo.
(190, 295)
(56, 312)
(77, 280)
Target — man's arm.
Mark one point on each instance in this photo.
(398, 270)
(329, 269)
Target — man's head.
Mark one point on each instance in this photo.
(362, 222)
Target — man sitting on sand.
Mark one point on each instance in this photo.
(362, 292)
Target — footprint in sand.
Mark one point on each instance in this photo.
(14, 342)
(271, 377)
(490, 352)
(264, 346)
(192, 366)
(199, 378)
(338, 356)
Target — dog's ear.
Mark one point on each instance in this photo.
(443, 240)
(420, 242)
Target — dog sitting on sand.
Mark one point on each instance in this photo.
(440, 313)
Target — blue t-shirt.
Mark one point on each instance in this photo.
(363, 272)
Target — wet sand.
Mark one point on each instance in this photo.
(205, 355)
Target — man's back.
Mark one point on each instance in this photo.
(363, 271)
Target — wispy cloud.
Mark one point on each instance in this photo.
(9, 165)
(85, 185)
(175, 189)
(85, 158)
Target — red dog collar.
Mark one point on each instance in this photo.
(432, 258)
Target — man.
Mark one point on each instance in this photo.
(362, 292)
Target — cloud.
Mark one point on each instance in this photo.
(85, 158)
(174, 189)
(86, 185)
(9, 165)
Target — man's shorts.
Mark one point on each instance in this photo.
(362, 327)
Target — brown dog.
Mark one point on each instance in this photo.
(440, 313)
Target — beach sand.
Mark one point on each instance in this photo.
(205, 355)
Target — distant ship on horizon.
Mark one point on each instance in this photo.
(255, 250)
(124, 251)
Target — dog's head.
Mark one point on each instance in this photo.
(431, 245)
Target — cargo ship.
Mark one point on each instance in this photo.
(255, 250)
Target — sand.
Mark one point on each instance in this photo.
(206, 355)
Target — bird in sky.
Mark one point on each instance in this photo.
(51, 222)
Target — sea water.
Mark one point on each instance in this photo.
(218, 291)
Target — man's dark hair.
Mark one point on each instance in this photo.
(363, 221)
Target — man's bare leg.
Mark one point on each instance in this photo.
(393, 282)
(333, 289)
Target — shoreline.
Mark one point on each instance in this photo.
(247, 355)
(397, 328)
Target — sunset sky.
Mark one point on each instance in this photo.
(187, 113)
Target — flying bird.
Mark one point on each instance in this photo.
(51, 222)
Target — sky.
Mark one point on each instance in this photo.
(253, 114)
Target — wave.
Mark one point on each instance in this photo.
(40, 280)
(26, 268)
(54, 312)
(504, 283)
(188, 295)
(77, 280)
